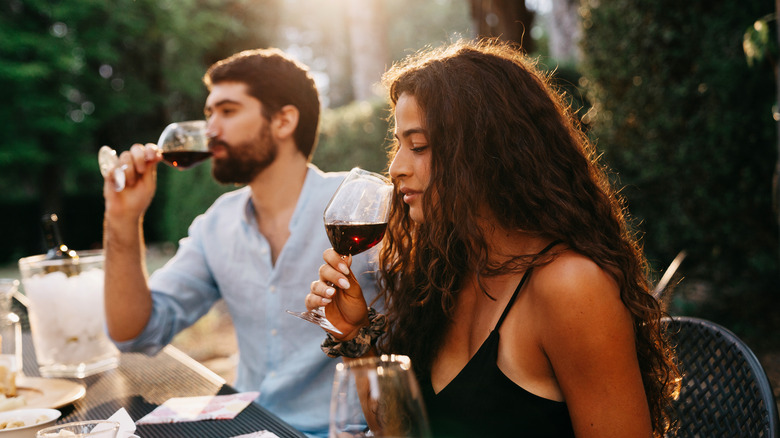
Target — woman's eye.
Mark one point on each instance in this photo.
(418, 149)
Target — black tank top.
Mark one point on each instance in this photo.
(482, 402)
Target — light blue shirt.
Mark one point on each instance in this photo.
(225, 256)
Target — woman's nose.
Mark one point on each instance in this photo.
(398, 167)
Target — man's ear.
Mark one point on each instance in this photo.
(284, 122)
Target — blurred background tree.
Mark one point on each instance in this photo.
(347, 44)
(509, 20)
(77, 75)
(687, 126)
(665, 89)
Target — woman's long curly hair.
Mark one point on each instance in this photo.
(501, 138)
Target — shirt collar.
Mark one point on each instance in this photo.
(313, 173)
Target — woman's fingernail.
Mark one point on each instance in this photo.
(344, 284)
(326, 300)
(330, 291)
(344, 268)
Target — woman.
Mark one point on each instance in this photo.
(508, 270)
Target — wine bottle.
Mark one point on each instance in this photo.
(51, 232)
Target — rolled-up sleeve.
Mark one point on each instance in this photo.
(182, 292)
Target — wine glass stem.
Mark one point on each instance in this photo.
(118, 178)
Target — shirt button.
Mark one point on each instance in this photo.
(273, 332)
(272, 289)
(272, 374)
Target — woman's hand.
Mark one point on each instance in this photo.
(339, 292)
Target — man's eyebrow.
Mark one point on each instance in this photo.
(221, 102)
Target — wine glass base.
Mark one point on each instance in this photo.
(316, 317)
(108, 161)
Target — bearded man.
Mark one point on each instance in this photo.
(255, 247)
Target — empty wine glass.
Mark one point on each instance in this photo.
(183, 145)
(82, 429)
(377, 397)
(355, 220)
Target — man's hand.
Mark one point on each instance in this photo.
(140, 183)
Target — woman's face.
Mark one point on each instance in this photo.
(411, 166)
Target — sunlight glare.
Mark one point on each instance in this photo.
(540, 6)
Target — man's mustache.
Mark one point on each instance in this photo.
(213, 143)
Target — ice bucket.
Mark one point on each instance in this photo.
(67, 318)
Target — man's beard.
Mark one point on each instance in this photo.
(246, 160)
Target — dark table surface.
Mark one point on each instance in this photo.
(141, 383)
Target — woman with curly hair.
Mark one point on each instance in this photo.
(509, 272)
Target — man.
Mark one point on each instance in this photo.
(255, 247)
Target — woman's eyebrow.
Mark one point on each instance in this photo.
(409, 132)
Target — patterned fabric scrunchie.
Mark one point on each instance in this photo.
(360, 344)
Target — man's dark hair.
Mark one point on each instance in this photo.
(275, 80)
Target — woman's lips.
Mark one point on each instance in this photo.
(410, 195)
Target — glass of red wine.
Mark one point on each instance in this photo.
(183, 145)
(355, 221)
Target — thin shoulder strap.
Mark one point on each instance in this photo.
(522, 282)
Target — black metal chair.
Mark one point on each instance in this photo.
(725, 392)
(660, 288)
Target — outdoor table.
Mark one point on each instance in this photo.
(141, 383)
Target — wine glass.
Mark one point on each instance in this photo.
(355, 221)
(377, 397)
(183, 145)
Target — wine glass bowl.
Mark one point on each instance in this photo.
(183, 145)
(377, 397)
(355, 221)
(356, 216)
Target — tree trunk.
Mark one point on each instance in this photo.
(508, 20)
(368, 41)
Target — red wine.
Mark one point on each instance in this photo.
(185, 159)
(354, 238)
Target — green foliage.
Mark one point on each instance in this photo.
(78, 75)
(354, 135)
(187, 194)
(687, 127)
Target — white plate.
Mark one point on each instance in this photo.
(29, 417)
(41, 392)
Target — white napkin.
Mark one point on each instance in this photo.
(258, 434)
(127, 427)
(126, 424)
(198, 408)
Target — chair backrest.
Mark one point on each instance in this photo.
(725, 391)
(659, 288)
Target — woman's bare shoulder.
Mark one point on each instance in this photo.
(571, 283)
(572, 270)
(577, 305)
